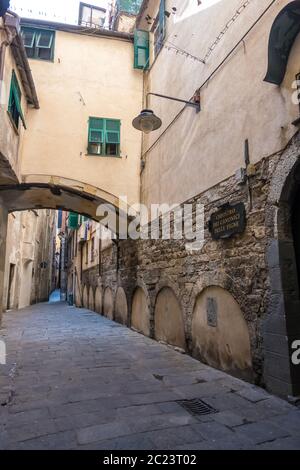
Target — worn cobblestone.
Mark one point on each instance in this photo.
(75, 381)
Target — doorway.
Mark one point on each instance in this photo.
(281, 326)
(25, 285)
(296, 231)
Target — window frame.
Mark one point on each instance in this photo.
(35, 40)
(104, 142)
(83, 5)
(138, 47)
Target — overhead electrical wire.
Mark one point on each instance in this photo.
(171, 46)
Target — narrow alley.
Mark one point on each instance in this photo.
(76, 380)
(149, 227)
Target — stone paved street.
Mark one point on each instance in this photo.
(75, 380)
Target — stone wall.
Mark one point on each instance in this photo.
(238, 266)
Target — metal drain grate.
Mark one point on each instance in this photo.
(197, 407)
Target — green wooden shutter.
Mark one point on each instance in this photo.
(96, 131)
(112, 134)
(73, 221)
(15, 93)
(141, 49)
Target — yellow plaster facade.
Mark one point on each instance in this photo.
(90, 76)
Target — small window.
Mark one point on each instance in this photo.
(141, 49)
(73, 221)
(14, 105)
(104, 137)
(39, 43)
(91, 16)
(160, 29)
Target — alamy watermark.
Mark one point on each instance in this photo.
(162, 222)
(2, 353)
(296, 353)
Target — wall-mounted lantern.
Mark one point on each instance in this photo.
(148, 122)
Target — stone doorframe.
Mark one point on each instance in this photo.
(282, 323)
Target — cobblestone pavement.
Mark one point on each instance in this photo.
(75, 380)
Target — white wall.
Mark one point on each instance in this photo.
(66, 11)
(201, 150)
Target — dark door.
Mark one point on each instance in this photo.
(296, 232)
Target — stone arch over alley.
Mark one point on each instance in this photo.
(54, 192)
(39, 192)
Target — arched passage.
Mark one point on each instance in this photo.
(91, 299)
(98, 300)
(220, 335)
(108, 303)
(121, 308)
(85, 297)
(140, 313)
(284, 31)
(25, 291)
(54, 192)
(169, 326)
(78, 297)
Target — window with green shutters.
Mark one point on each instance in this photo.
(141, 49)
(73, 221)
(104, 137)
(39, 43)
(14, 104)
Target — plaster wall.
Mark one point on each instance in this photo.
(202, 150)
(30, 248)
(89, 77)
(11, 139)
